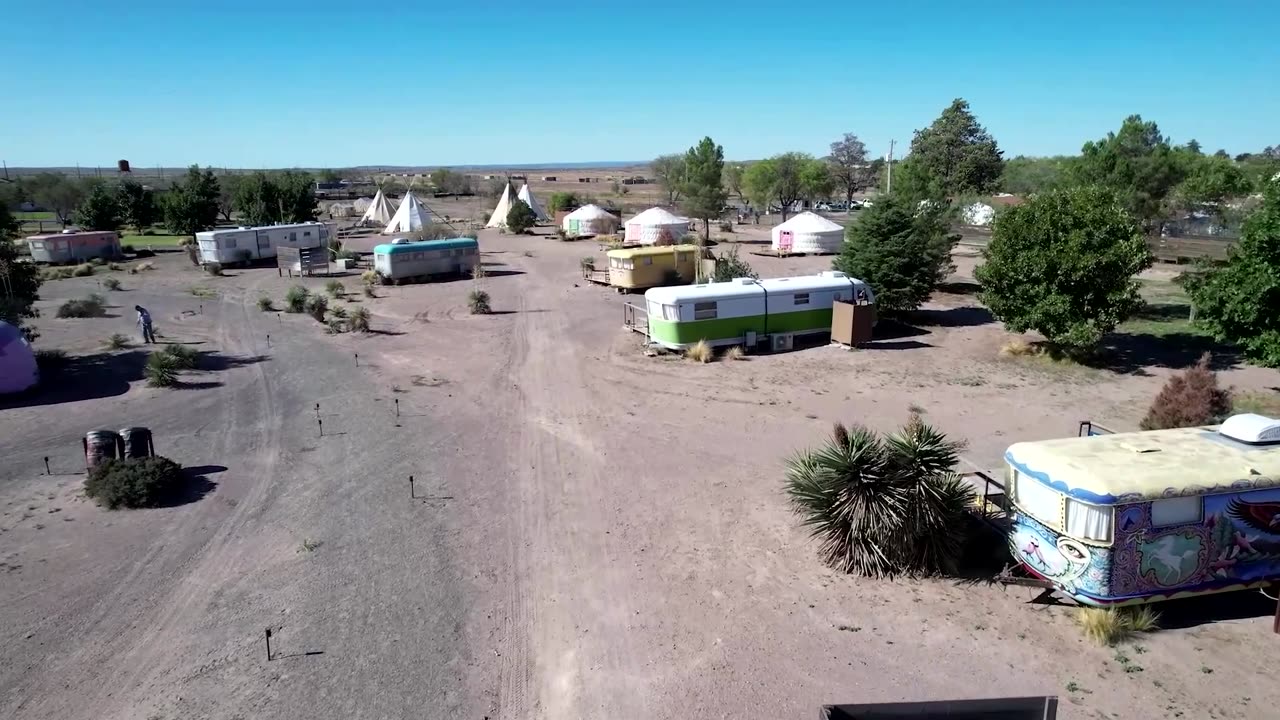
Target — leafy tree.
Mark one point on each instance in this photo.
(191, 205)
(19, 282)
(850, 170)
(296, 191)
(227, 188)
(883, 506)
(669, 170)
(958, 152)
(733, 180)
(702, 186)
(730, 267)
(900, 249)
(137, 205)
(1193, 147)
(329, 175)
(1210, 182)
(1222, 154)
(520, 217)
(1136, 163)
(1237, 301)
(9, 225)
(100, 210)
(785, 179)
(257, 199)
(56, 193)
(1064, 264)
(1027, 175)
(563, 201)
(450, 181)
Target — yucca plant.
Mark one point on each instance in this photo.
(358, 320)
(478, 301)
(161, 370)
(295, 300)
(882, 506)
(317, 306)
(183, 357)
(116, 342)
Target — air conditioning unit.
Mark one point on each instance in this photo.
(781, 342)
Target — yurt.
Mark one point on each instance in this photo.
(499, 217)
(590, 220)
(411, 216)
(361, 204)
(978, 214)
(18, 370)
(379, 212)
(656, 226)
(527, 196)
(807, 233)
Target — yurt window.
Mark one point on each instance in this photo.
(801, 298)
(704, 311)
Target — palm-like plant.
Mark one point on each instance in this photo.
(882, 506)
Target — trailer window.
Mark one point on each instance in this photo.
(648, 259)
(801, 298)
(1088, 522)
(293, 237)
(1037, 500)
(1177, 511)
(306, 233)
(670, 313)
(704, 311)
(229, 243)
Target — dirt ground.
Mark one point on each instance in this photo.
(599, 533)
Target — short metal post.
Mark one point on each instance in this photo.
(357, 359)
(268, 339)
(397, 414)
(317, 411)
(268, 644)
(411, 495)
(47, 471)
(320, 424)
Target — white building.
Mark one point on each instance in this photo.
(808, 233)
(246, 244)
(656, 226)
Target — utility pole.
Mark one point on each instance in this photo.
(888, 184)
(6, 171)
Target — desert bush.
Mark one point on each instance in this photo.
(213, 268)
(735, 353)
(369, 277)
(266, 304)
(1019, 348)
(127, 249)
(97, 262)
(358, 320)
(883, 506)
(334, 326)
(187, 242)
(587, 263)
(520, 218)
(183, 356)
(1189, 399)
(317, 306)
(726, 227)
(82, 270)
(117, 267)
(111, 284)
(90, 307)
(335, 288)
(478, 301)
(295, 300)
(700, 352)
(144, 267)
(1108, 626)
(55, 273)
(116, 342)
(730, 267)
(134, 483)
(338, 312)
(161, 370)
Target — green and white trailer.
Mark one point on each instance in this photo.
(749, 312)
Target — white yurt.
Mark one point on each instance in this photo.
(590, 220)
(808, 233)
(361, 204)
(979, 214)
(656, 226)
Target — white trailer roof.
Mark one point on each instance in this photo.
(746, 287)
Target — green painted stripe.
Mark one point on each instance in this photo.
(669, 333)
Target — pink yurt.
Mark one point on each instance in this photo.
(17, 361)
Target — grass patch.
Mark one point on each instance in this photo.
(116, 342)
(1262, 403)
(735, 353)
(111, 284)
(358, 320)
(338, 312)
(1108, 626)
(91, 307)
(201, 291)
(33, 215)
(317, 306)
(167, 241)
(700, 352)
(335, 288)
(295, 300)
(55, 273)
(266, 304)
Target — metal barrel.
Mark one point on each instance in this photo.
(100, 446)
(137, 442)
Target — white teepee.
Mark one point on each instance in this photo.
(499, 217)
(527, 196)
(411, 216)
(379, 212)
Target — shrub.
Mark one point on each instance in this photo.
(97, 262)
(901, 250)
(161, 370)
(295, 300)
(726, 227)
(1063, 264)
(478, 301)
(1189, 399)
(317, 306)
(731, 267)
(358, 320)
(213, 268)
(334, 326)
(335, 288)
(338, 312)
(144, 267)
(116, 342)
(134, 483)
(183, 357)
(266, 304)
(369, 277)
(187, 242)
(735, 353)
(520, 218)
(111, 284)
(883, 506)
(55, 273)
(83, 270)
(1108, 626)
(127, 249)
(117, 267)
(51, 359)
(700, 352)
(90, 307)
(563, 201)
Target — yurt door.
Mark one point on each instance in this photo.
(784, 241)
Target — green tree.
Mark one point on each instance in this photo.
(669, 170)
(297, 197)
(9, 225)
(137, 205)
(520, 217)
(191, 205)
(257, 199)
(100, 209)
(563, 201)
(957, 152)
(850, 170)
(733, 180)
(786, 179)
(900, 249)
(730, 267)
(56, 193)
(702, 186)
(1193, 147)
(227, 187)
(1237, 301)
(1211, 181)
(19, 284)
(1027, 175)
(1064, 264)
(329, 175)
(1137, 163)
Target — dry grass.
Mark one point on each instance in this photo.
(700, 352)
(1020, 348)
(735, 353)
(1262, 403)
(1108, 626)
(116, 342)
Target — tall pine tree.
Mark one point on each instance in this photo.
(702, 187)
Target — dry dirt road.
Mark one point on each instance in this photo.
(613, 542)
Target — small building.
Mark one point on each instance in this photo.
(18, 369)
(246, 244)
(590, 220)
(72, 246)
(652, 266)
(548, 178)
(656, 226)
(808, 233)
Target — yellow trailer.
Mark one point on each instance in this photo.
(639, 268)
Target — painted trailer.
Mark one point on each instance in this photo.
(645, 267)
(247, 244)
(401, 260)
(71, 246)
(749, 312)
(1139, 517)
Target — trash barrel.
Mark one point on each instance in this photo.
(137, 442)
(101, 446)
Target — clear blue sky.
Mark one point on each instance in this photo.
(315, 84)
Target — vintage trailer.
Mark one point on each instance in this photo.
(748, 312)
(246, 244)
(1139, 517)
(650, 266)
(401, 260)
(71, 246)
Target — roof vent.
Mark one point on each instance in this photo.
(745, 281)
(1252, 429)
(832, 274)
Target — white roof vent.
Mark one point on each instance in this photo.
(745, 281)
(832, 274)
(400, 241)
(1252, 429)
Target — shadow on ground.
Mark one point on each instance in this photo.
(967, 316)
(1131, 353)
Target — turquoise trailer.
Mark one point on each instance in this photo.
(402, 260)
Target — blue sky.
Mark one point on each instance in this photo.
(316, 84)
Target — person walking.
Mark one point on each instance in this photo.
(144, 324)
